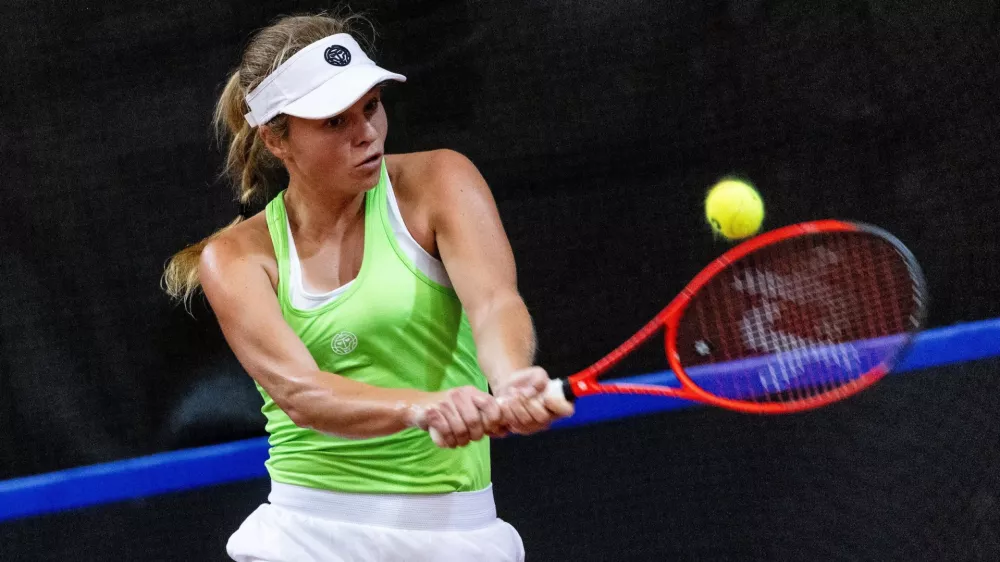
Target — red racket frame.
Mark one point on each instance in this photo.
(585, 383)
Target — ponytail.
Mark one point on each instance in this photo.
(249, 166)
(254, 172)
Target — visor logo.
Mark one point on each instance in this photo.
(337, 55)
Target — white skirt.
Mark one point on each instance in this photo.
(306, 525)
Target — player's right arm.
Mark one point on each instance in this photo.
(235, 281)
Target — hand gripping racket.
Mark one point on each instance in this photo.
(790, 320)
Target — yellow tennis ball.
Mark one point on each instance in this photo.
(734, 209)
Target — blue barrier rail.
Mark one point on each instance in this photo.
(242, 460)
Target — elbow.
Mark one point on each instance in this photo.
(311, 408)
(295, 397)
(301, 417)
(300, 408)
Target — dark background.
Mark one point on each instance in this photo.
(599, 126)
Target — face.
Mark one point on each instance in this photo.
(342, 153)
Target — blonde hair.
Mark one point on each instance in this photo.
(254, 172)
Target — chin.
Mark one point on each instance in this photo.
(362, 183)
(366, 179)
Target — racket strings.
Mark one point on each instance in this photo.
(801, 319)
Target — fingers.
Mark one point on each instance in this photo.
(539, 413)
(527, 405)
(466, 414)
(529, 382)
(459, 430)
(525, 415)
(534, 405)
(491, 414)
(499, 433)
(537, 379)
(442, 422)
(463, 415)
(558, 405)
(471, 421)
(436, 437)
(514, 411)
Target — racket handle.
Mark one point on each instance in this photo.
(436, 437)
(559, 389)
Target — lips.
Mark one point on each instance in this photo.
(370, 160)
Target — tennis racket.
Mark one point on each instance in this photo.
(790, 320)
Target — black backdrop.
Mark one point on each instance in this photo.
(599, 125)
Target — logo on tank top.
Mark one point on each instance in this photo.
(337, 55)
(344, 343)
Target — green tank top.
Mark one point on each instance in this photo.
(393, 327)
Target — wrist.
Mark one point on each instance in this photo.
(409, 410)
(499, 384)
(519, 380)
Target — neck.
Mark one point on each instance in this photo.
(320, 214)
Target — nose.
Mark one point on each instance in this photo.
(365, 133)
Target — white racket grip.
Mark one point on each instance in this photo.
(555, 390)
(436, 438)
(419, 419)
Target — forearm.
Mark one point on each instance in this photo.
(505, 339)
(336, 405)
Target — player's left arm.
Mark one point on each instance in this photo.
(480, 263)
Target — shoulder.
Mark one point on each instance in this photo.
(431, 170)
(437, 177)
(237, 249)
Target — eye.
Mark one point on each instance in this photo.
(372, 104)
(335, 122)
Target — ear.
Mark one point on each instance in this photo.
(274, 143)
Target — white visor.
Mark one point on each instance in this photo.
(320, 81)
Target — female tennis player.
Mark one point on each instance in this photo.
(372, 300)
